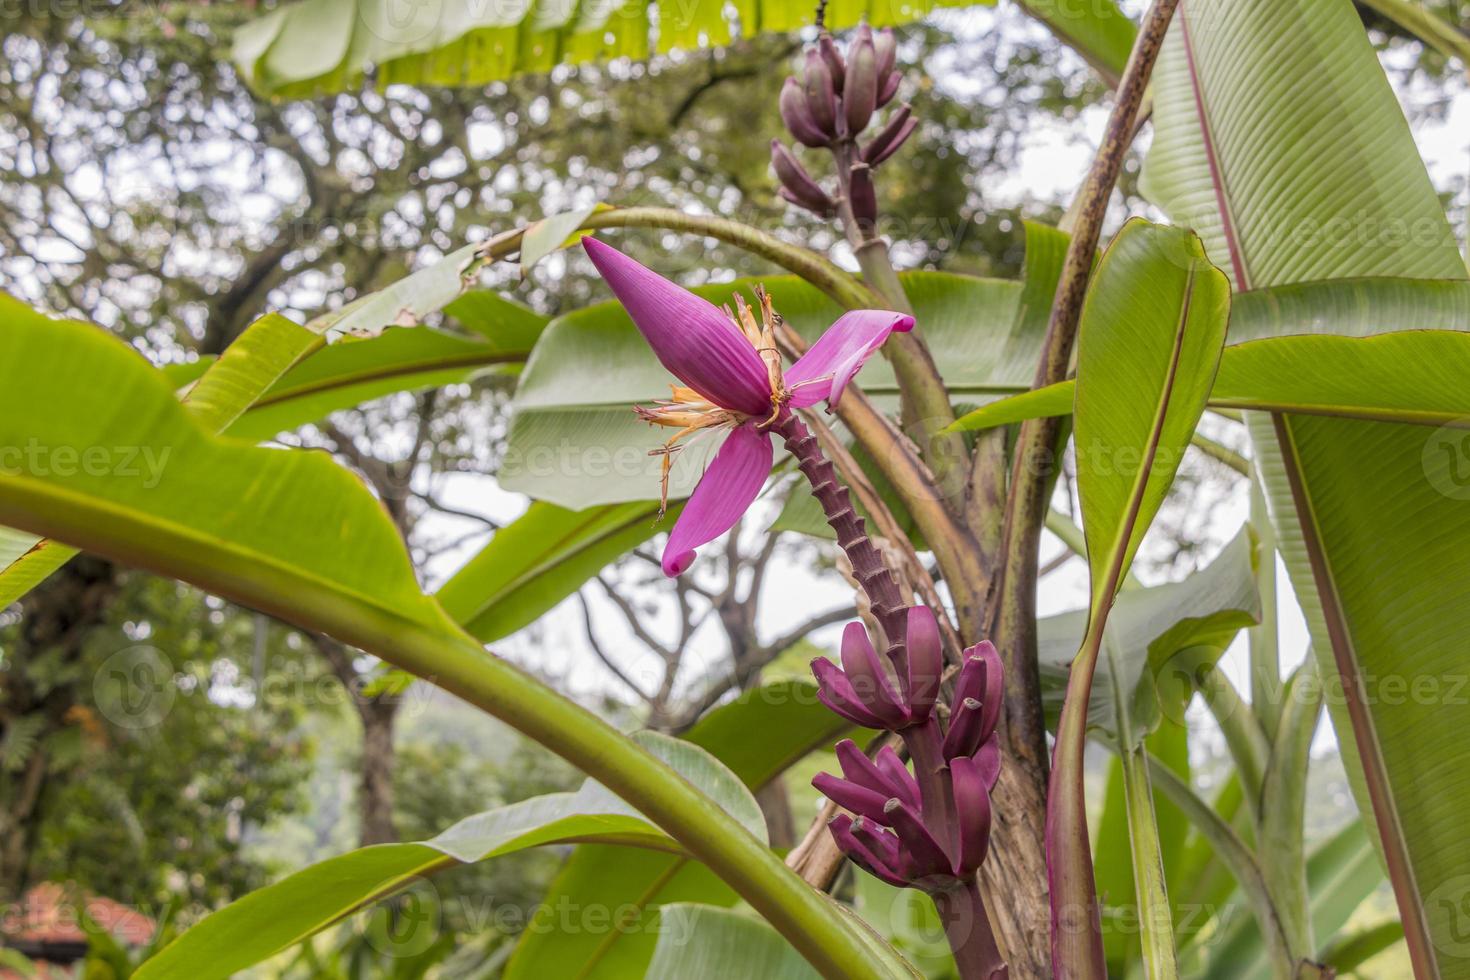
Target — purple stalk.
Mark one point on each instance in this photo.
(852, 533)
(967, 925)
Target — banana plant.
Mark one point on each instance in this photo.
(1308, 289)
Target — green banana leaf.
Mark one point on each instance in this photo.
(720, 944)
(1293, 160)
(758, 735)
(316, 46)
(265, 351)
(1112, 863)
(539, 559)
(714, 943)
(574, 439)
(266, 921)
(1411, 376)
(1148, 346)
(1165, 633)
(276, 376)
(1342, 871)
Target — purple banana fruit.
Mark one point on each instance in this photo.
(860, 97)
(892, 136)
(798, 118)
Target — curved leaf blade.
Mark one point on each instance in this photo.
(1154, 628)
(720, 944)
(264, 352)
(538, 560)
(758, 735)
(1152, 329)
(1276, 209)
(266, 921)
(1413, 376)
(276, 376)
(1347, 196)
(1148, 349)
(1100, 32)
(346, 375)
(328, 539)
(1342, 872)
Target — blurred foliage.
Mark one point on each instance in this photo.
(146, 188)
(148, 807)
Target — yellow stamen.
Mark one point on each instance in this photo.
(766, 348)
(688, 411)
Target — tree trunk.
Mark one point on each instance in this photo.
(1013, 877)
(18, 827)
(375, 792)
(375, 769)
(59, 615)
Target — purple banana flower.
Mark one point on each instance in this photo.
(932, 833)
(731, 381)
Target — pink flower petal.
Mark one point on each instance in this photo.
(691, 336)
(724, 493)
(826, 368)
